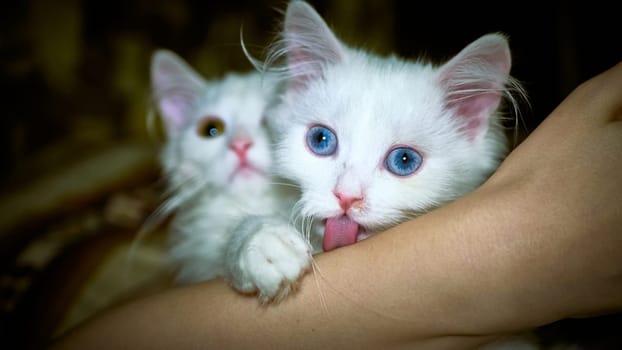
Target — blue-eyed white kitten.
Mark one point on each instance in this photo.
(217, 161)
(374, 141)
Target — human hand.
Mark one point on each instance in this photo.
(565, 183)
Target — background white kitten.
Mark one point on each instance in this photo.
(217, 163)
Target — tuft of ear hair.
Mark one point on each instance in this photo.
(476, 79)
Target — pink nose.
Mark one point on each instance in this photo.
(241, 146)
(347, 201)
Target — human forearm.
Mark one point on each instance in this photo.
(445, 287)
(433, 294)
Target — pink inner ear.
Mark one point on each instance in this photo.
(300, 66)
(174, 109)
(175, 86)
(474, 81)
(475, 108)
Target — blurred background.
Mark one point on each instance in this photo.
(74, 89)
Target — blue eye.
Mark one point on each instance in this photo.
(403, 161)
(321, 140)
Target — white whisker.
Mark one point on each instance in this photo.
(317, 276)
(191, 186)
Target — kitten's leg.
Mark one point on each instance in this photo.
(266, 255)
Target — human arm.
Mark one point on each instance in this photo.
(538, 242)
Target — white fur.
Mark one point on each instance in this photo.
(213, 234)
(376, 103)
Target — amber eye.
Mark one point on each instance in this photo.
(211, 127)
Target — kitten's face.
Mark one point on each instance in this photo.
(225, 140)
(215, 129)
(373, 141)
(396, 151)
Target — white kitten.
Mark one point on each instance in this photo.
(217, 163)
(374, 141)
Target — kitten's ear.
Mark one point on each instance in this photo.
(310, 45)
(175, 87)
(475, 80)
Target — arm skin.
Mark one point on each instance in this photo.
(540, 241)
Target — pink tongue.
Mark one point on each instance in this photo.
(339, 231)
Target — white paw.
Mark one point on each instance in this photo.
(269, 260)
